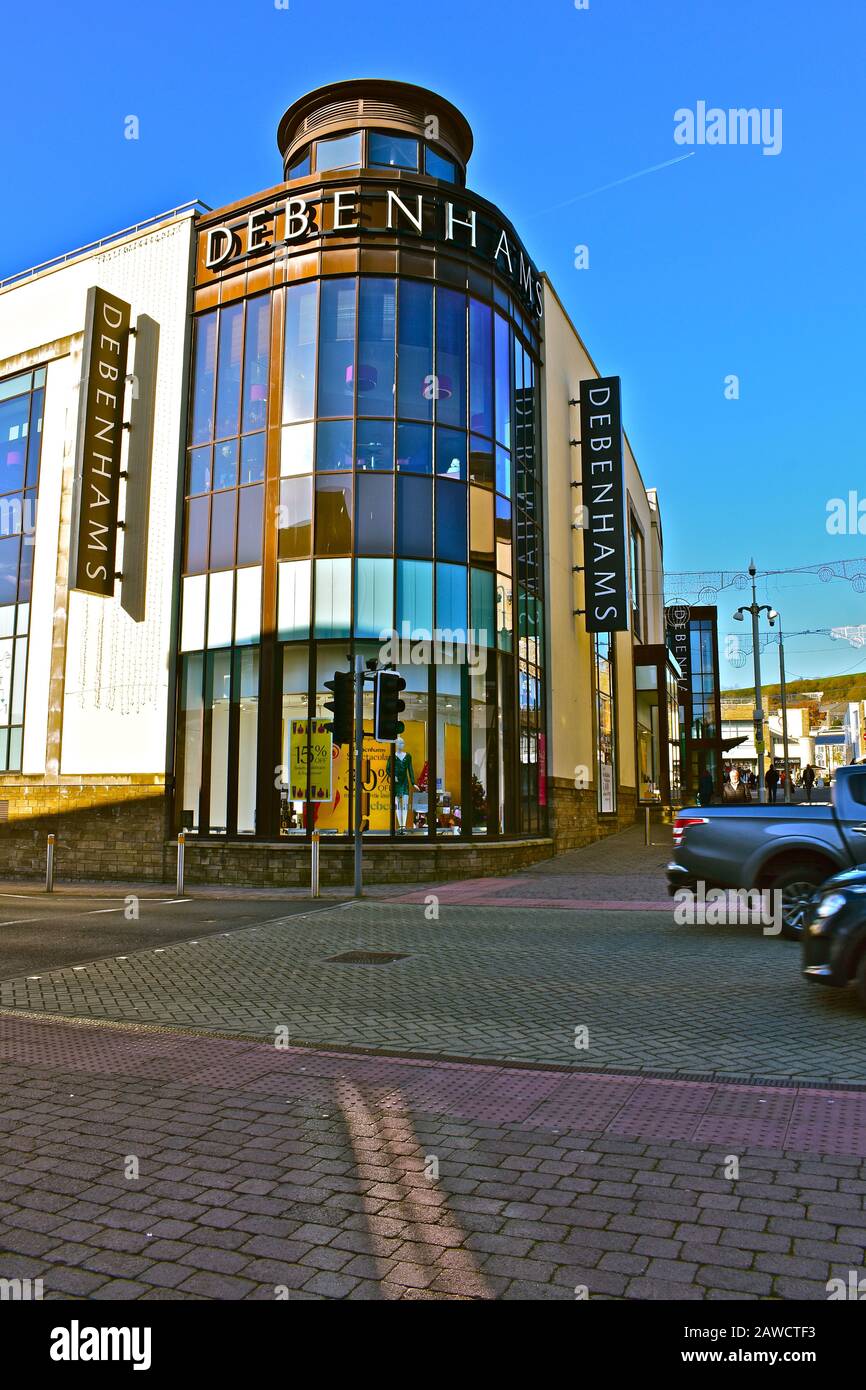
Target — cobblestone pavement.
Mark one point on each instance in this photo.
(500, 983)
(269, 1174)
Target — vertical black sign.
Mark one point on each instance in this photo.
(93, 539)
(679, 643)
(605, 550)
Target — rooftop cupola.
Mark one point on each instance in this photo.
(375, 124)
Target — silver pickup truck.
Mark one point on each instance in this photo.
(790, 849)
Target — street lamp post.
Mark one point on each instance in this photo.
(755, 609)
(783, 692)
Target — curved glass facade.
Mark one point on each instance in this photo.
(362, 478)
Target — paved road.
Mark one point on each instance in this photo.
(502, 983)
(260, 1174)
(39, 933)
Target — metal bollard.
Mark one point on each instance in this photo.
(49, 866)
(181, 845)
(648, 830)
(314, 861)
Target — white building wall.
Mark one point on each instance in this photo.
(571, 729)
(115, 700)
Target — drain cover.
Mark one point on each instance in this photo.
(366, 957)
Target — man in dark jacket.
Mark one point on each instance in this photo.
(771, 781)
(808, 780)
(736, 789)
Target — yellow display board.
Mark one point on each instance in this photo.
(334, 814)
(321, 761)
(329, 774)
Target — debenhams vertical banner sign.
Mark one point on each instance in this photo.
(603, 496)
(93, 539)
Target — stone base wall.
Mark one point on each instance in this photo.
(288, 865)
(116, 830)
(575, 820)
(109, 829)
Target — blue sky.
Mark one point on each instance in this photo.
(730, 262)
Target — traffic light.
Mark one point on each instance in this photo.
(343, 687)
(389, 706)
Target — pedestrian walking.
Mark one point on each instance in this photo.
(808, 780)
(771, 781)
(706, 788)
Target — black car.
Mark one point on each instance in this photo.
(834, 934)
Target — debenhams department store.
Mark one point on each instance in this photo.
(240, 447)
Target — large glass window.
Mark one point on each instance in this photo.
(333, 515)
(422, 518)
(295, 521)
(438, 166)
(480, 367)
(218, 696)
(190, 722)
(247, 681)
(342, 152)
(22, 400)
(296, 743)
(638, 581)
(299, 372)
(300, 165)
(450, 379)
(449, 750)
(337, 347)
(374, 598)
(415, 382)
(204, 378)
(503, 380)
(374, 445)
(451, 598)
(228, 398)
(703, 679)
(408, 767)
(414, 448)
(450, 521)
(377, 317)
(332, 814)
(374, 518)
(482, 689)
(605, 703)
(256, 359)
(414, 599)
(414, 516)
(392, 151)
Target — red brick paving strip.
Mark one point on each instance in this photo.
(315, 1174)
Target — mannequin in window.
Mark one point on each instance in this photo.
(402, 775)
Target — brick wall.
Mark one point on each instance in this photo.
(273, 865)
(574, 816)
(115, 830)
(110, 829)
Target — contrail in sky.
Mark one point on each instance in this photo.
(616, 183)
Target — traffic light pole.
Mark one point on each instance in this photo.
(359, 766)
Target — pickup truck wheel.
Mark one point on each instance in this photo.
(797, 885)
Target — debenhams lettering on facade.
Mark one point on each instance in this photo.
(341, 212)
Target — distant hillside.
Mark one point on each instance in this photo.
(836, 689)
